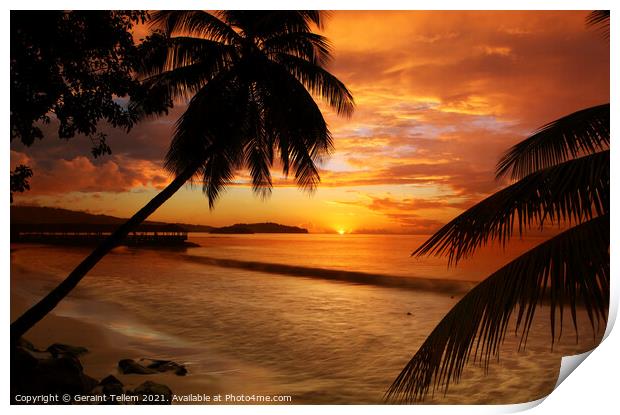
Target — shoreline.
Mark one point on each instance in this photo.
(105, 346)
(209, 374)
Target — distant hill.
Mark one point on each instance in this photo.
(38, 214)
(267, 227)
(49, 215)
(41, 214)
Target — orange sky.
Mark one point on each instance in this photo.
(440, 96)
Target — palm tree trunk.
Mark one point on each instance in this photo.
(32, 316)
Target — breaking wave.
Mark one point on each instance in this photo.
(414, 283)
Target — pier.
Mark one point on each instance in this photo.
(78, 234)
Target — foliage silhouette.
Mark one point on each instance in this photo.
(71, 65)
(70, 68)
(20, 177)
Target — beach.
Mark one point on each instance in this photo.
(244, 330)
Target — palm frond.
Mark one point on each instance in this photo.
(320, 82)
(570, 269)
(181, 83)
(217, 159)
(582, 132)
(194, 23)
(572, 192)
(296, 123)
(315, 16)
(264, 24)
(259, 160)
(162, 53)
(600, 20)
(259, 146)
(185, 50)
(305, 45)
(177, 68)
(306, 172)
(225, 155)
(219, 102)
(246, 103)
(218, 170)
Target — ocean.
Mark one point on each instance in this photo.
(321, 318)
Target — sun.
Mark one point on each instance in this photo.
(341, 231)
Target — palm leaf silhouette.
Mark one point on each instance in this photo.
(570, 192)
(583, 132)
(599, 19)
(571, 268)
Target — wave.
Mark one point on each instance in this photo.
(414, 283)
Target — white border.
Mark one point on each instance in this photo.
(593, 386)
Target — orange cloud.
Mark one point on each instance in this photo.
(80, 174)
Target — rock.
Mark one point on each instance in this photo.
(63, 374)
(55, 371)
(25, 344)
(110, 385)
(151, 393)
(66, 364)
(57, 349)
(109, 400)
(114, 389)
(150, 366)
(23, 364)
(110, 380)
(130, 366)
(28, 347)
(55, 375)
(167, 366)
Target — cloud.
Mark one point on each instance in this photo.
(80, 174)
(421, 215)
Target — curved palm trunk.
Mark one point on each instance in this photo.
(32, 316)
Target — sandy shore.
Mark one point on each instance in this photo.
(106, 347)
(109, 345)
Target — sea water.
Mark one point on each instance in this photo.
(322, 318)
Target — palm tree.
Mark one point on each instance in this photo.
(250, 77)
(561, 177)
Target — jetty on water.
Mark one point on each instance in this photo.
(77, 234)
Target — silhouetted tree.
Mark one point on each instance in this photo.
(20, 177)
(73, 68)
(70, 66)
(561, 176)
(249, 77)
